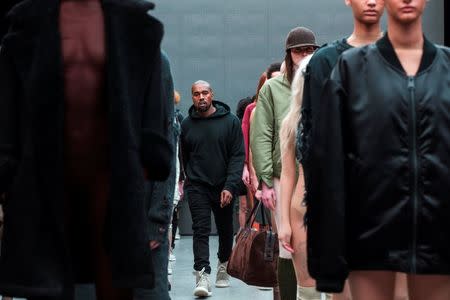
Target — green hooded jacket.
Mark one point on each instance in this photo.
(273, 105)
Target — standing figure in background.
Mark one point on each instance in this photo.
(248, 174)
(292, 232)
(366, 30)
(83, 126)
(213, 154)
(245, 200)
(180, 175)
(160, 196)
(273, 104)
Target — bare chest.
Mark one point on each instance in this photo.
(410, 60)
(82, 29)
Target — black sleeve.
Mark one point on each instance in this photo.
(184, 147)
(157, 149)
(161, 192)
(182, 175)
(326, 213)
(236, 158)
(9, 116)
(317, 72)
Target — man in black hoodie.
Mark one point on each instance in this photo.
(213, 155)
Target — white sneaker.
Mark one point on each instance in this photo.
(169, 269)
(172, 256)
(203, 287)
(222, 277)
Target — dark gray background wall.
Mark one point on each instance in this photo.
(229, 43)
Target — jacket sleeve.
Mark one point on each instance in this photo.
(156, 149)
(184, 149)
(236, 158)
(182, 174)
(261, 136)
(325, 217)
(160, 212)
(317, 72)
(9, 143)
(161, 192)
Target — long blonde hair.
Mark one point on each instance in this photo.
(288, 132)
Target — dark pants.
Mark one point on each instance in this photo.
(175, 218)
(202, 200)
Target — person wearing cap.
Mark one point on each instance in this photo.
(273, 105)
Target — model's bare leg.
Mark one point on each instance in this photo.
(372, 285)
(345, 295)
(401, 287)
(298, 241)
(428, 287)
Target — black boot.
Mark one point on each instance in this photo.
(287, 279)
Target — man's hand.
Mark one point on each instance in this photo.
(225, 198)
(246, 176)
(268, 196)
(154, 245)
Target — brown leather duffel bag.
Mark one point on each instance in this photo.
(254, 258)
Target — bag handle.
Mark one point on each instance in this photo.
(251, 218)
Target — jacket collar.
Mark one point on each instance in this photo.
(31, 9)
(386, 49)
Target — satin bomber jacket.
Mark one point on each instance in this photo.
(379, 196)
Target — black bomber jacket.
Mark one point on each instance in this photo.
(379, 183)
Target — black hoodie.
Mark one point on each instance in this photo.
(213, 148)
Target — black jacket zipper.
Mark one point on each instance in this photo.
(415, 169)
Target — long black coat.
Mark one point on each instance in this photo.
(34, 259)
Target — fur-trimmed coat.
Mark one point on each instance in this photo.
(34, 259)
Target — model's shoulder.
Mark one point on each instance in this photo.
(359, 52)
(233, 118)
(138, 5)
(445, 50)
(30, 9)
(186, 121)
(277, 81)
(331, 49)
(327, 55)
(271, 86)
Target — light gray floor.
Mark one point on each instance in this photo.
(183, 282)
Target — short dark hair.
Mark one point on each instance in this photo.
(273, 67)
(242, 105)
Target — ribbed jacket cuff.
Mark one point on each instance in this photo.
(157, 232)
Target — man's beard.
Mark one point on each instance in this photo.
(203, 108)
